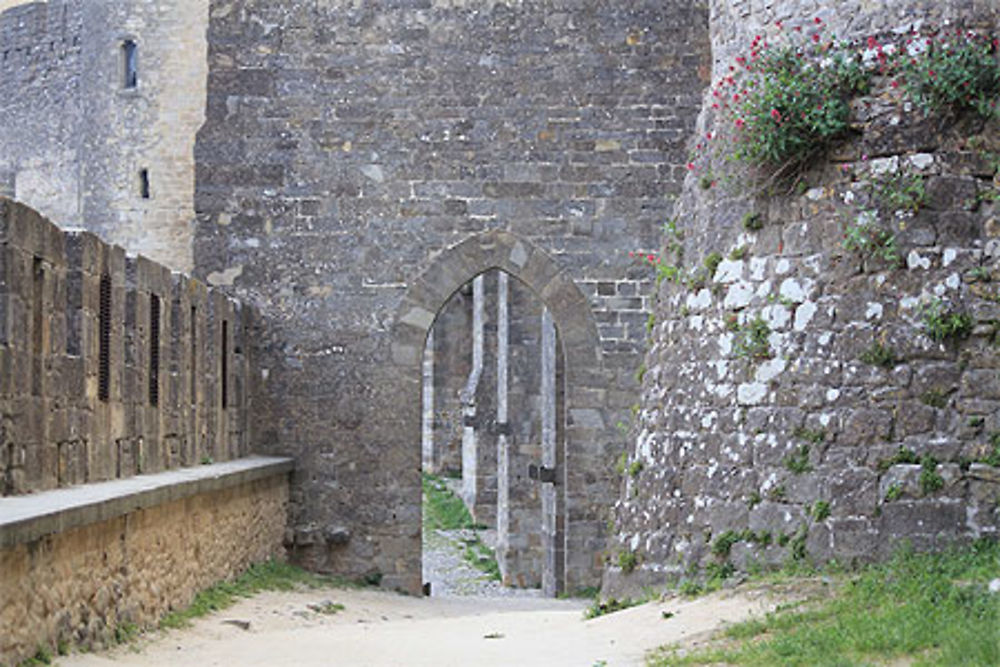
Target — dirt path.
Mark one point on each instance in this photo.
(378, 628)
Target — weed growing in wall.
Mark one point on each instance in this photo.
(930, 480)
(942, 322)
(787, 99)
(880, 355)
(951, 71)
(752, 340)
(868, 239)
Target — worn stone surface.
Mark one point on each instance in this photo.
(355, 168)
(79, 586)
(164, 405)
(809, 438)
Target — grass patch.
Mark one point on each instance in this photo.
(934, 609)
(609, 606)
(443, 510)
(267, 576)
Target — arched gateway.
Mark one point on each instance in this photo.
(575, 471)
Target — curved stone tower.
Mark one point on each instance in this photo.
(812, 393)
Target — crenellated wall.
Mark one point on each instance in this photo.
(90, 388)
(851, 429)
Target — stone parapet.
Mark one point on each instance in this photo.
(78, 564)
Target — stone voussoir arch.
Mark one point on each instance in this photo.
(586, 416)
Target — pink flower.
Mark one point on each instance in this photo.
(740, 122)
(690, 166)
(776, 115)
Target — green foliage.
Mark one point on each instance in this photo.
(635, 468)
(867, 239)
(820, 510)
(667, 272)
(902, 455)
(443, 510)
(627, 561)
(798, 461)
(790, 107)
(482, 558)
(266, 576)
(609, 606)
(777, 493)
(327, 608)
(878, 354)
(957, 72)
(723, 543)
(927, 609)
(893, 493)
(753, 499)
(935, 398)
(751, 340)
(712, 261)
(621, 465)
(739, 253)
(993, 457)
(941, 322)
(753, 222)
(126, 632)
(930, 480)
(814, 435)
(901, 190)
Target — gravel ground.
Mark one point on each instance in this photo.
(450, 574)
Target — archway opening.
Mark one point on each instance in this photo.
(492, 442)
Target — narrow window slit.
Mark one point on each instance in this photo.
(154, 349)
(224, 365)
(130, 64)
(144, 183)
(104, 340)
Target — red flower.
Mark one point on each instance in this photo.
(816, 37)
(817, 20)
(690, 166)
(776, 115)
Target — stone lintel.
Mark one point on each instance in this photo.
(27, 518)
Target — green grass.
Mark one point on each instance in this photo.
(267, 576)
(443, 510)
(934, 609)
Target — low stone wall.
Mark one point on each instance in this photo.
(128, 551)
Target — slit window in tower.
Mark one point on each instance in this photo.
(194, 355)
(104, 340)
(224, 365)
(154, 350)
(144, 183)
(130, 64)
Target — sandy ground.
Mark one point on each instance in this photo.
(379, 628)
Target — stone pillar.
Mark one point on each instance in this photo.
(469, 468)
(552, 568)
(427, 415)
(501, 424)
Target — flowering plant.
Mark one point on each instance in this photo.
(782, 105)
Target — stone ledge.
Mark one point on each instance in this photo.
(27, 518)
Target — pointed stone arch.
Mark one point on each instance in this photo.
(588, 488)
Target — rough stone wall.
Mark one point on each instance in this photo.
(346, 144)
(79, 586)
(56, 429)
(74, 139)
(803, 448)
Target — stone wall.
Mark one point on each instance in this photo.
(75, 140)
(854, 430)
(350, 146)
(77, 587)
(86, 396)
